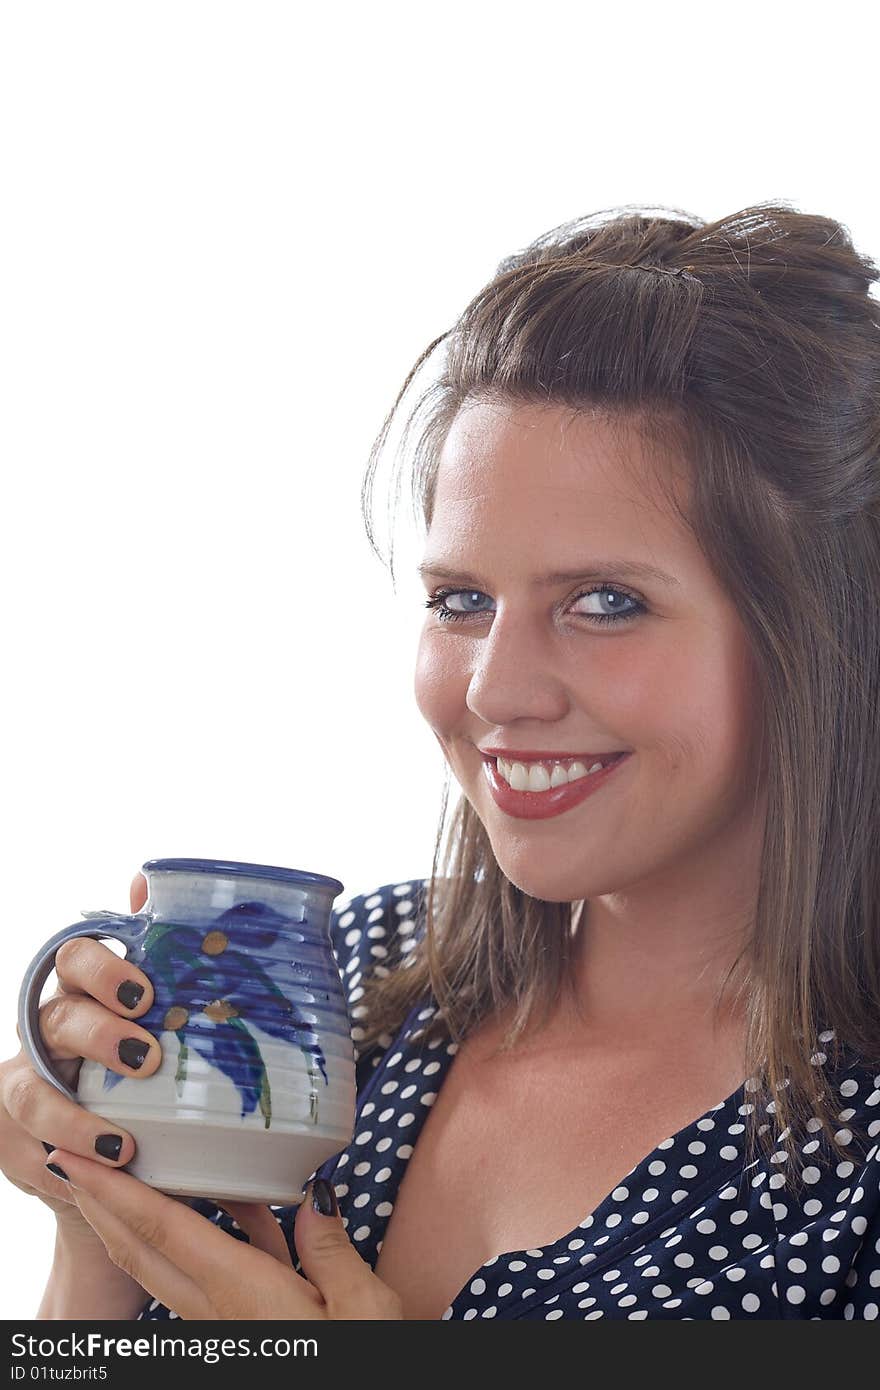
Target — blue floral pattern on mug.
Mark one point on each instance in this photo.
(208, 986)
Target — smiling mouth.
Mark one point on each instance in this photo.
(547, 775)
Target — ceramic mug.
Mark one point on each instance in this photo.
(256, 1087)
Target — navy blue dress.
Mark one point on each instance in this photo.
(691, 1232)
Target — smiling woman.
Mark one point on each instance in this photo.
(652, 517)
(619, 1056)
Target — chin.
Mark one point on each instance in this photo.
(563, 883)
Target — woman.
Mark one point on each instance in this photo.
(619, 1059)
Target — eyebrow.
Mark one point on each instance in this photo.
(607, 569)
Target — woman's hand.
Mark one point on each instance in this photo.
(85, 1017)
(201, 1272)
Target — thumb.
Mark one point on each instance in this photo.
(326, 1255)
(345, 1281)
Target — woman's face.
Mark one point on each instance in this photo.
(526, 491)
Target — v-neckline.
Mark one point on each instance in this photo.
(592, 1241)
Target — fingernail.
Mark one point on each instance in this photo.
(324, 1198)
(130, 994)
(109, 1145)
(48, 1147)
(59, 1172)
(132, 1051)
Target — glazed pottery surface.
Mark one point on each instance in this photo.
(256, 1088)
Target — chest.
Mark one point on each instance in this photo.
(516, 1152)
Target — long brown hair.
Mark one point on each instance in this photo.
(752, 343)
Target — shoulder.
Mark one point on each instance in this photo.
(372, 933)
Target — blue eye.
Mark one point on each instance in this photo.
(437, 602)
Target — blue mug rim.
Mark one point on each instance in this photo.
(240, 869)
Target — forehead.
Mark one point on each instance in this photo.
(510, 460)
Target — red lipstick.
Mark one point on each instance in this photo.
(540, 805)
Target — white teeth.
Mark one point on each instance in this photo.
(536, 778)
(539, 778)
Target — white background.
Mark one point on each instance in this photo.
(227, 231)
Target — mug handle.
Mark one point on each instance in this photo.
(127, 929)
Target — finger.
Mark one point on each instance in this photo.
(86, 966)
(211, 1257)
(260, 1227)
(138, 892)
(147, 1266)
(44, 1112)
(76, 1026)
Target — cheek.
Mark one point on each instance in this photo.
(692, 703)
(440, 683)
(714, 716)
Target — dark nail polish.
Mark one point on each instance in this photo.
(324, 1198)
(132, 1051)
(48, 1147)
(59, 1172)
(109, 1145)
(130, 994)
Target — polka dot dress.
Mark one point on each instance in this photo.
(693, 1231)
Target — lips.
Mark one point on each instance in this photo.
(532, 755)
(540, 805)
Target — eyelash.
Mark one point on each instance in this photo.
(446, 614)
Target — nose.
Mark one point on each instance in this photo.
(514, 675)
